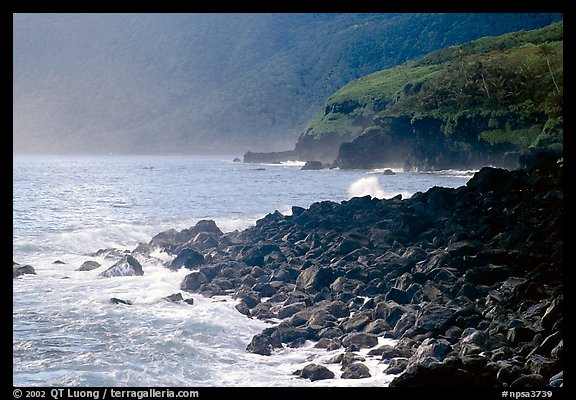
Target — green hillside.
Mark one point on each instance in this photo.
(503, 92)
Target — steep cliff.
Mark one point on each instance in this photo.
(485, 102)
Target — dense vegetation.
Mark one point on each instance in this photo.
(502, 93)
(200, 82)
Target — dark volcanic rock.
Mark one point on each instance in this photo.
(433, 317)
(115, 300)
(360, 339)
(18, 270)
(260, 344)
(396, 366)
(89, 266)
(314, 279)
(172, 241)
(127, 266)
(314, 372)
(529, 381)
(174, 298)
(187, 258)
(311, 165)
(356, 371)
(470, 280)
(443, 375)
(193, 281)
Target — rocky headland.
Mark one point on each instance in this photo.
(468, 280)
(485, 102)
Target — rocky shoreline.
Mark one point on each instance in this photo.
(468, 280)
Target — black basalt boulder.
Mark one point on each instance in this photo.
(314, 279)
(127, 266)
(314, 372)
(260, 344)
(193, 281)
(356, 371)
(89, 266)
(18, 270)
(187, 258)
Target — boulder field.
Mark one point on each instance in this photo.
(468, 280)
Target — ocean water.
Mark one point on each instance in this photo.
(65, 330)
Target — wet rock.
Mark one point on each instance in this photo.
(397, 295)
(187, 258)
(489, 179)
(331, 332)
(263, 311)
(314, 278)
(314, 372)
(173, 241)
(193, 281)
(290, 310)
(265, 289)
(433, 348)
(396, 366)
(552, 313)
(358, 321)
(405, 324)
(338, 309)
(442, 375)
(115, 300)
(487, 274)
(520, 334)
(376, 327)
(108, 253)
(18, 270)
(127, 266)
(205, 240)
(248, 296)
(390, 311)
(557, 380)
(243, 308)
(174, 298)
(88, 266)
(529, 381)
(260, 344)
(356, 371)
(388, 352)
(540, 365)
(328, 344)
(558, 350)
(360, 339)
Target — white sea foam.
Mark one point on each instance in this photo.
(366, 186)
(371, 186)
(293, 163)
(382, 170)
